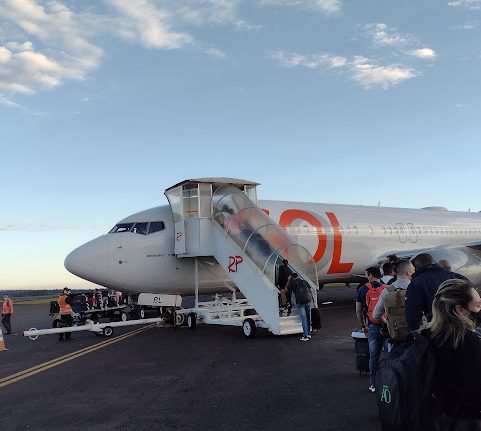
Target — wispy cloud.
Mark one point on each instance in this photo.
(313, 61)
(366, 71)
(149, 23)
(467, 4)
(324, 6)
(60, 50)
(47, 227)
(362, 70)
(465, 26)
(47, 42)
(370, 74)
(382, 35)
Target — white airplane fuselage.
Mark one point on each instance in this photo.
(344, 240)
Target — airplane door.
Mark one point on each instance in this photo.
(402, 233)
(119, 244)
(413, 235)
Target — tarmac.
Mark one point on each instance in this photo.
(210, 378)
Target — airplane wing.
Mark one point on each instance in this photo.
(464, 259)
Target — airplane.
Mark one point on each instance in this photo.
(138, 255)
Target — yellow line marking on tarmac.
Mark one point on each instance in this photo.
(58, 361)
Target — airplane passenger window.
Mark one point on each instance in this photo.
(140, 228)
(156, 226)
(121, 227)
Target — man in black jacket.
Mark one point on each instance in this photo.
(424, 285)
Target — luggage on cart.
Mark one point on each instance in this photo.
(112, 302)
(361, 346)
(315, 319)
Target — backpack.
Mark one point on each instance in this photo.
(303, 292)
(405, 386)
(372, 297)
(395, 313)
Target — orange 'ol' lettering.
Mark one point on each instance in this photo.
(289, 216)
(336, 266)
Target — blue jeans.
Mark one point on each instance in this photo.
(305, 315)
(376, 343)
(6, 323)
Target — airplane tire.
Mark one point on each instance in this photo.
(192, 320)
(179, 319)
(108, 331)
(249, 328)
(55, 323)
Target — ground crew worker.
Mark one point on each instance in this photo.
(7, 311)
(64, 302)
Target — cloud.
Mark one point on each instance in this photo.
(467, 4)
(360, 69)
(314, 61)
(148, 23)
(382, 35)
(44, 42)
(60, 50)
(370, 75)
(325, 6)
(466, 26)
(47, 227)
(423, 53)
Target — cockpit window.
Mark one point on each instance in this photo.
(156, 226)
(140, 228)
(122, 227)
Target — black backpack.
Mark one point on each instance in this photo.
(303, 291)
(405, 387)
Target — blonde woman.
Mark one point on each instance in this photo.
(457, 349)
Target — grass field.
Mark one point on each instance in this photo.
(34, 301)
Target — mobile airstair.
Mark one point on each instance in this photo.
(220, 218)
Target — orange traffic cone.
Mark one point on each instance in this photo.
(2, 343)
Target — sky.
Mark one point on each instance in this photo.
(104, 104)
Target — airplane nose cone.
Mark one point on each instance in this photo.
(90, 261)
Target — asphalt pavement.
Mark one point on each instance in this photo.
(212, 378)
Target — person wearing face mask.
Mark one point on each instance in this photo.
(457, 349)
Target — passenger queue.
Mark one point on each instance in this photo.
(424, 351)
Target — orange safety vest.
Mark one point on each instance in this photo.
(64, 307)
(7, 307)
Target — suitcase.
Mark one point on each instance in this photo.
(362, 354)
(315, 319)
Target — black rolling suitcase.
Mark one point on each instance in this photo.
(361, 346)
(315, 319)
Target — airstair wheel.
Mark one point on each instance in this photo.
(249, 328)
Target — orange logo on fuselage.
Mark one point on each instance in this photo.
(336, 267)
